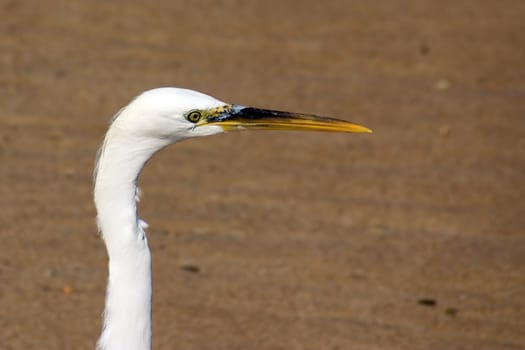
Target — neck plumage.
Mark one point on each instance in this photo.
(127, 314)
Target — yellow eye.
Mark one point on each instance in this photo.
(193, 116)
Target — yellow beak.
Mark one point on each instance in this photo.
(236, 117)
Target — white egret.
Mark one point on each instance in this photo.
(152, 121)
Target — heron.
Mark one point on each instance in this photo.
(153, 120)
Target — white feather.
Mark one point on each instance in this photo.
(152, 121)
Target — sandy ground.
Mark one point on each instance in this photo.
(410, 238)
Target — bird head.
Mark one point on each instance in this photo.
(173, 114)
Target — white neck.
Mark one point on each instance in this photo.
(127, 314)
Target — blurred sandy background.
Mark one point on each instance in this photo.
(410, 238)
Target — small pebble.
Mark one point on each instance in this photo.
(444, 130)
(70, 172)
(442, 85)
(190, 268)
(427, 302)
(67, 289)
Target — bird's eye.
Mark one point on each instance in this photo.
(193, 116)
